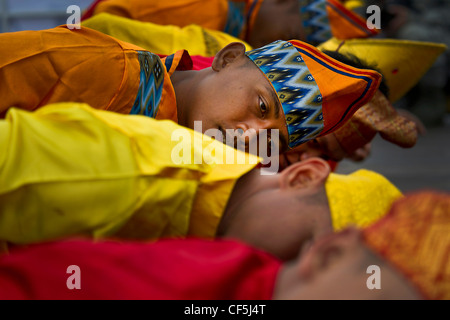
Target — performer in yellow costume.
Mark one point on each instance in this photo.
(409, 245)
(70, 170)
(163, 39)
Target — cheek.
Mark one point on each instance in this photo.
(232, 106)
(211, 105)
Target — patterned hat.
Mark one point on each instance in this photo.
(415, 238)
(323, 19)
(318, 94)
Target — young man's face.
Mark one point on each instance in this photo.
(236, 96)
(280, 213)
(336, 267)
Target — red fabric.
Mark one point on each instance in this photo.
(184, 269)
(201, 62)
(90, 11)
(333, 165)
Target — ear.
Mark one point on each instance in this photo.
(312, 172)
(227, 55)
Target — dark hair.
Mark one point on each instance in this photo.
(356, 62)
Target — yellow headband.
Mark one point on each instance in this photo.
(360, 198)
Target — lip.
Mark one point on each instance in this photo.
(232, 140)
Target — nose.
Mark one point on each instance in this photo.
(249, 136)
(255, 127)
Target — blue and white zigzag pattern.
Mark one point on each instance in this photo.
(296, 88)
(235, 19)
(150, 86)
(315, 20)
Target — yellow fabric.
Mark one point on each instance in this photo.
(415, 238)
(162, 39)
(353, 4)
(68, 169)
(360, 198)
(402, 62)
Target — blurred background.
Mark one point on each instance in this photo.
(17, 15)
(425, 166)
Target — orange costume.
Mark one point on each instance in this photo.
(83, 65)
(234, 17)
(64, 65)
(322, 19)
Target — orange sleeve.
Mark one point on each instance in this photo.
(63, 65)
(210, 14)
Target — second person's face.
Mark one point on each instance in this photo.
(239, 98)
